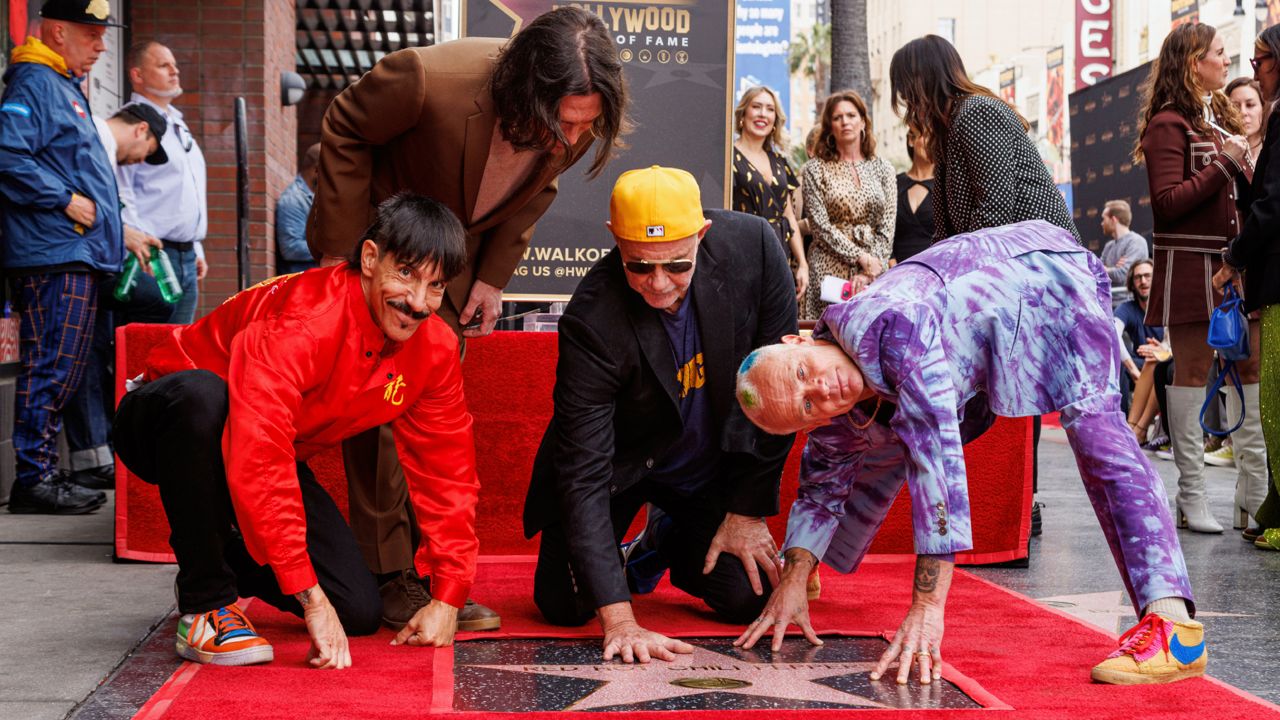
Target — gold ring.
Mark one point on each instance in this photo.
(921, 652)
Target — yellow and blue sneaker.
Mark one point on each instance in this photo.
(1156, 650)
(222, 637)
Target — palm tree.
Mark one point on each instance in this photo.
(810, 56)
(850, 61)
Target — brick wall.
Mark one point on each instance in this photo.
(225, 49)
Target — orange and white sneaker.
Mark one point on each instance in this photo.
(1156, 650)
(222, 637)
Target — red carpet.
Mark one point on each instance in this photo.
(1005, 651)
(509, 377)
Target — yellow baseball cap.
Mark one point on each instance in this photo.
(655, 204)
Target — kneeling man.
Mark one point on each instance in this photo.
(1013, 321)
(644, 413)
(233, 405)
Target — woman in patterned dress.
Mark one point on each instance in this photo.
(987, 171)
(851, 197)
(762, 178)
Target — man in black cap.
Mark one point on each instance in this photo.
(131, 136)
(60, 217)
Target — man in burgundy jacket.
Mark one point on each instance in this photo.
(231, 407)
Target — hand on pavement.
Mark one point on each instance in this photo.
(329, 649)
(433, 625)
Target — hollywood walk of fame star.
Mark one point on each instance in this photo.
(701, 672)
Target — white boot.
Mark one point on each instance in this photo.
(1250, 451)
(1188, 454)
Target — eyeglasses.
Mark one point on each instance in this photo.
(1258, 60)
(645, 267)
(184, 137)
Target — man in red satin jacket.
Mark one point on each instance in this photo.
(231, 407)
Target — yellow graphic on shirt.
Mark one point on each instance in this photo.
(692, 376)
(393, 389)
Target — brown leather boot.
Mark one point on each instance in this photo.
(402, 597)
(474, 617)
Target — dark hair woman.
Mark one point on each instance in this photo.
(850, 196)
(1189, 138)
(914, 231)
(1256, 254)
(987, 171)
(763, 180)
(1246, 95)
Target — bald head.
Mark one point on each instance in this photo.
(798, 384)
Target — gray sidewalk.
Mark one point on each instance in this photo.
(71, 616)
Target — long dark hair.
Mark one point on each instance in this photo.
(567, 51)
(1269, 41)
(826, 145)
(1172, 84)
(926, 80)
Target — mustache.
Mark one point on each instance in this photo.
(404, 308)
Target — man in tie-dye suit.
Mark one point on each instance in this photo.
(1011, 321)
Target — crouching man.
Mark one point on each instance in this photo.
(232, 406)
(1011, 321)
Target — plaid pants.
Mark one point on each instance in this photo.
(57, 313)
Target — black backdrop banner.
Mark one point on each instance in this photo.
(1104, 128)
(678, 58)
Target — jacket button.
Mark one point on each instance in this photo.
(388, 376)
(941, 506)
(942, 531)
(648, 463)
(613, 489)
(368, 353)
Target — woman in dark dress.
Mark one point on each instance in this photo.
(762, 178)
(914, 229)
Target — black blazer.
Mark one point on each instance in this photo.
(1255, 250)
(615, 394)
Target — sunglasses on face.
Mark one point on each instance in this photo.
(645, 267)
(1258, 60)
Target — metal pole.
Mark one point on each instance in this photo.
(242, 194)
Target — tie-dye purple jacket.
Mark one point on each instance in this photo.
(1018, 313)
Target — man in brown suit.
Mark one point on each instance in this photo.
(468, 124)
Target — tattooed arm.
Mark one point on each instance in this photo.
(919, 638)
(328, 640)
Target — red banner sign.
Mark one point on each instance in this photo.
(1094, 29)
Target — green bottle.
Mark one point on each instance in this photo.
(128, 278)
(162, 269)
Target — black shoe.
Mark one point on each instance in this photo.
(55, 495)
(1035, 518)
(99, 478)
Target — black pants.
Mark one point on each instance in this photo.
(726, 589)
(169, 433)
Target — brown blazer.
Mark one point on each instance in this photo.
(422, 120)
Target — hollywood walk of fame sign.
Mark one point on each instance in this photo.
(677, 56)
(568, 675)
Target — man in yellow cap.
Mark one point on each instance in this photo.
(645, 413)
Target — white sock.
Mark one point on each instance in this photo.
(1170, 608)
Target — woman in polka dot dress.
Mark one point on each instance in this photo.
(762, 178)
(987, 172)
(851, 197)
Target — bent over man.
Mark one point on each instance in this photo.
(233, 406)
(1013, 321)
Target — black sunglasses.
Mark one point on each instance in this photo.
(645, 267)
(1256, 61)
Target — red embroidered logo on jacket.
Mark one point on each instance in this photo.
(75, 105)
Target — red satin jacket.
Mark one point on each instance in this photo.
(306, 367)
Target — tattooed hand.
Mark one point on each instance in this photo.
(919, 638)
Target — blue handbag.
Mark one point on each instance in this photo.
(1229, 336)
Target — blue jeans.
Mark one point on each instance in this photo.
(183, 258)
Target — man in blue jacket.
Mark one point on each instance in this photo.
(60, 221)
